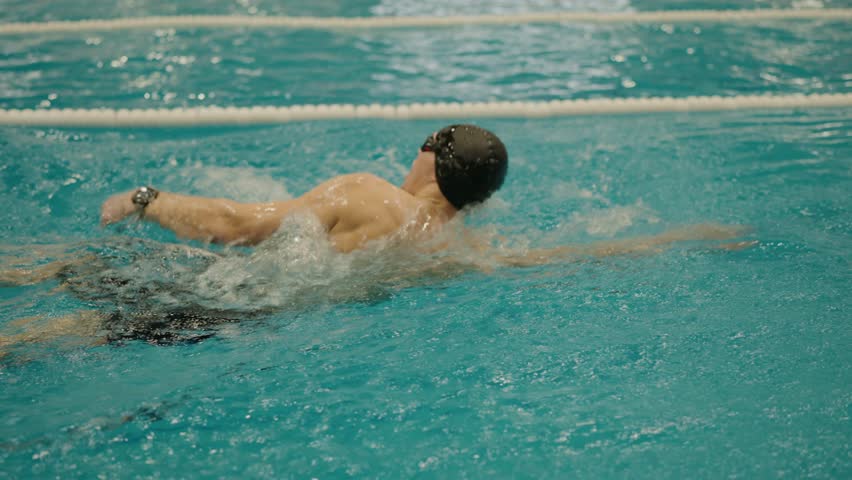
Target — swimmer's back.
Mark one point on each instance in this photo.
(362, 207)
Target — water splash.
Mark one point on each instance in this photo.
(607, 221)
(297, 268)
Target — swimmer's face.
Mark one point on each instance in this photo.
(424, 162)
(423, 166)
(429, 144)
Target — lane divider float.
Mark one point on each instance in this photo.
(267, 115)
(344, 23)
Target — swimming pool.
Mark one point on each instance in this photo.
(691, 363)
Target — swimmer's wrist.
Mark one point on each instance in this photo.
(142, 197)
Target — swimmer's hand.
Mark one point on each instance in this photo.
(118, 207)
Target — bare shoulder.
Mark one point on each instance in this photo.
(364, 192)
(351, 183)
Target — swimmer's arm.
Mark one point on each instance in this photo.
(215, 220)
(638, 245)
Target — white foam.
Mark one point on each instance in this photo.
(239, 183)
(572, 191)
(609, 221)
(296, 261)
(298, 267)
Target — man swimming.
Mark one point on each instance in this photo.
(455, 168)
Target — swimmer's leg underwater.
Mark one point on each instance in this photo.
(89, 328)
(81, 328)
(94, 279)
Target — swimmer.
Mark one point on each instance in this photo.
(458, 166)
(455, 168)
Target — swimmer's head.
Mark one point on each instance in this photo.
(470, 163)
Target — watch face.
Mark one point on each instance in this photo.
(144, 195)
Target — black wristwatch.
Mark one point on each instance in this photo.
(144, 195)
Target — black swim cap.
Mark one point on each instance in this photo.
(470, 163)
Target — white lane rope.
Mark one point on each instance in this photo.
(261, 115)
(330, 23)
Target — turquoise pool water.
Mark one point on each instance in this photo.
(692, 363)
